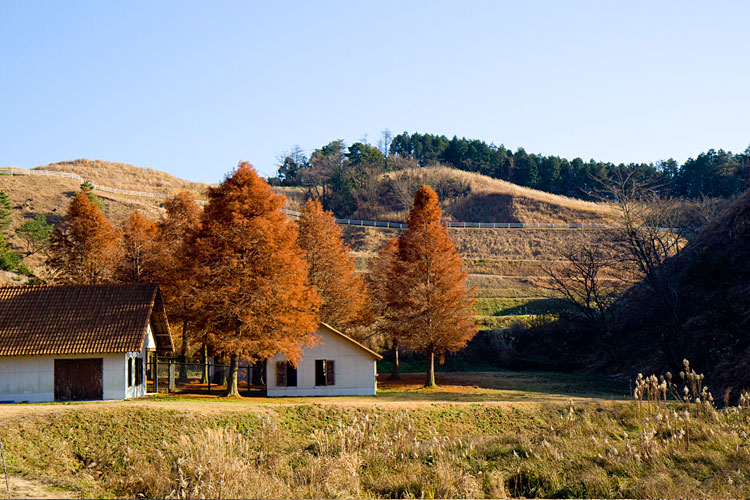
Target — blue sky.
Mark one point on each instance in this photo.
(192, 88)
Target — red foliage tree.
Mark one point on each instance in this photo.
(138, 250)
(84, 248)
(331, 269)
(429, 287)
(176, 270)
(254, 291)
(384, 286)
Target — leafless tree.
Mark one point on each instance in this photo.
(651, 233)
(591, 277)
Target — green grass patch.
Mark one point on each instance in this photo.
(519, 306)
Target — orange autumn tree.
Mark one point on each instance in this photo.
(138, 250)
(430, 286)
(384, 286)
(176, 270)
(84, 247)
(254, 290)
(331, 269)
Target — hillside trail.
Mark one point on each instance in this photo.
(21, 488)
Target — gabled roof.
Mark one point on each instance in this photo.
(81, 319)
(332, 330)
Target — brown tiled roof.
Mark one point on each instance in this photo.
(81, 319)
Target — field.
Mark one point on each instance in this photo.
(478, 435)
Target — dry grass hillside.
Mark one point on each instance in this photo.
(504, 265)
(473, 197)
(124, 176)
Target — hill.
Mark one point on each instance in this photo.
(473, 197)
(124, 176)
(503, 264)
(711, 287)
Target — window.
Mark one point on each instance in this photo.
(286, 374)
(138, 371)
(130, 372)
(325, 372)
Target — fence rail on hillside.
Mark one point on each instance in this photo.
(345, 222)
(67, 175)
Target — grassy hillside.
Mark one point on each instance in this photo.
(710, 303)
(502, 263)
(495, 200)
(357, 449)
(124, 176)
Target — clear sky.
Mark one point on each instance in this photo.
(192, 88)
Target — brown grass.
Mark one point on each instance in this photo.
(124, 176)
(495, 200)
(436, 450)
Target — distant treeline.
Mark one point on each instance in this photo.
(713, 174)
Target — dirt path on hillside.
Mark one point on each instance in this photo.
(21, 487)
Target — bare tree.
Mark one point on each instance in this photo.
(590, 277)
(650, 231)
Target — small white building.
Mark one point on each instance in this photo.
(338, 366)
(79, 342)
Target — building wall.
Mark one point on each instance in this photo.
(137, 391)
(32, 378)
(355, 370)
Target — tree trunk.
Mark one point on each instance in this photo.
(395, 375)
(430, 379)
(232, 389)
(204, 375)
(183, 354)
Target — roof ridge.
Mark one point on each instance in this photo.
(347, 337)
(74, 285)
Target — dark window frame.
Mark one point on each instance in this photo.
(325, 372)
(286, 374)
(138, 371)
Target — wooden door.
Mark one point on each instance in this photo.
(78, 379)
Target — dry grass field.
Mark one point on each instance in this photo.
(478, 435)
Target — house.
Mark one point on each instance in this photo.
(338, 366)
(79, 342)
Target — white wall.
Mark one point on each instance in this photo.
(355, 370)
(137, 391)
(32, 378)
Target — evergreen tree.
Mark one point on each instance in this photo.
(36, 233)
(5, 211)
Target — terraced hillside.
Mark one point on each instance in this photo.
(504, 265)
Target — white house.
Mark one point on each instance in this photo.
(338, 366)
(79, 342)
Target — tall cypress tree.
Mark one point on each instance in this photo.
(331, 268)
(253, 288)
(428, 290)
(84, 248)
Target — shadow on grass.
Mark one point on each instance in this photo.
(501, 386)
